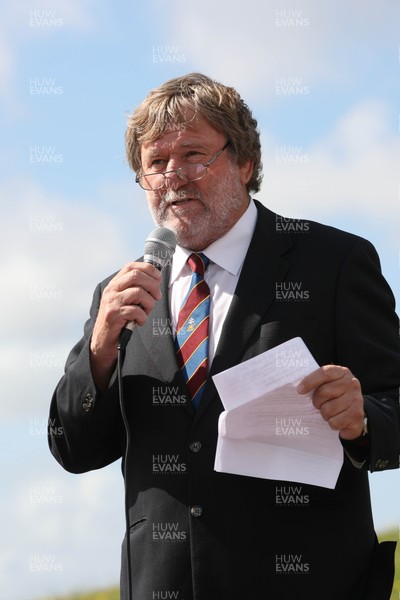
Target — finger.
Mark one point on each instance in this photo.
(134, 313)
(322, 375)
(142, 266)
(343, 391)
(333, 407)
(129, 296)
(349, 423)
(340, 422)
(137, 279)
(137, 296)
(135, 273)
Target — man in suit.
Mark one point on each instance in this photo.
(196, 534)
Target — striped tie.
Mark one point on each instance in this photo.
(192, 330)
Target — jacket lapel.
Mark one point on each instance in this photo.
(157, 336)
(253, 295)
(158, 339)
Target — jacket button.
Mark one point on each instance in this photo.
(196, 511)
(195, 446)
(381, 464)
(87, 405)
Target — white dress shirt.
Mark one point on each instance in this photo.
(226, 256)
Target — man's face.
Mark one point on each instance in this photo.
(199, 212)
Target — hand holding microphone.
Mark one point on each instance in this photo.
(158, 251)
(127, 301)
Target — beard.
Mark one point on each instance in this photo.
(219, 209)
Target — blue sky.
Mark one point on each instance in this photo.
(323, 81)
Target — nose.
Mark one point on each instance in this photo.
(172, 181)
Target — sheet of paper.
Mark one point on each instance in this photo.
(270, 431)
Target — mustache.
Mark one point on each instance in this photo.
(171, 196)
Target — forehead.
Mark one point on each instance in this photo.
(199, 134)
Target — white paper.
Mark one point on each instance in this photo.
(268, 430)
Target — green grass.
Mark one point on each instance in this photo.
(108, 594)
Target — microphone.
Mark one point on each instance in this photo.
(159, 247)
(158, 251)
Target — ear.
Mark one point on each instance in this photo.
(246, 171)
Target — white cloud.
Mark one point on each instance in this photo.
(349, 179)
(353, 170)
(53, 529)
(54, 251)
(249, 58)
(251, 45)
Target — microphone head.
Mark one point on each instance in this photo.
(159, 247)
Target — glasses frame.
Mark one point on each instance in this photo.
(179, 171)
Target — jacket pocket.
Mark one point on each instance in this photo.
(137, 525)
(286, 330)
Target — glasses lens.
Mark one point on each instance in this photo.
(153, 181)
(192, 172)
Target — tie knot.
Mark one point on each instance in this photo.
(198, 262)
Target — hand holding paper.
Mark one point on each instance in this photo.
(268, 430)
(337, 394)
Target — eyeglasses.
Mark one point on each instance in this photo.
(191, 172)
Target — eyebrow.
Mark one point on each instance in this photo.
(184, 145)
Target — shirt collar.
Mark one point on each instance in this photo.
(228, 252)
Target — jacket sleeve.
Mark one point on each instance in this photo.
(368, 343)
(85, 425)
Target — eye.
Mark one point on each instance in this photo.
(157, 164)
(195, 153)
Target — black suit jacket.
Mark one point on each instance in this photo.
(198, 534)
